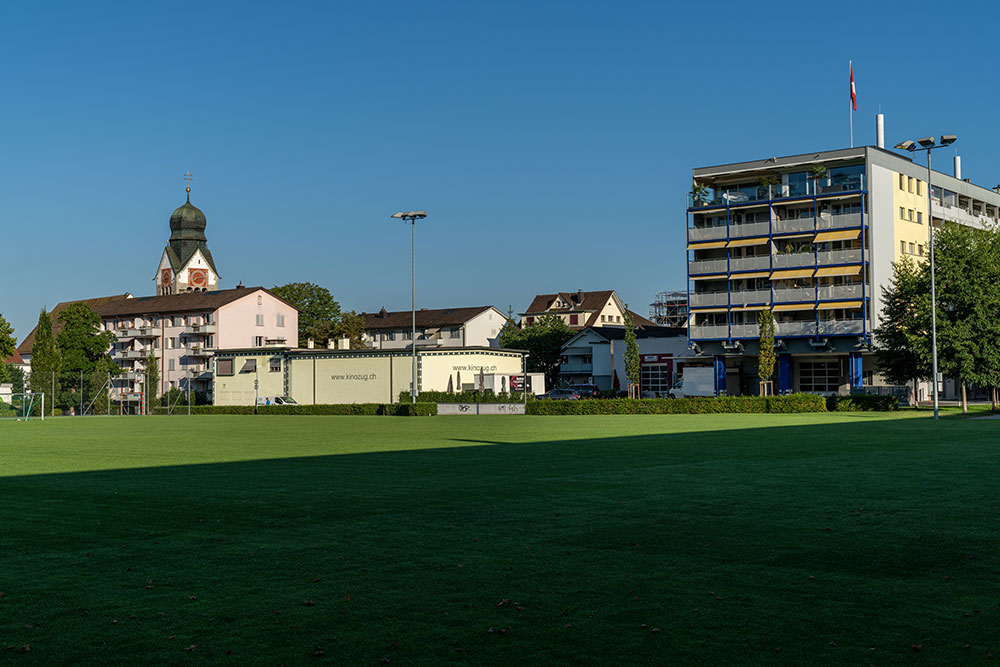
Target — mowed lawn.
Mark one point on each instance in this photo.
(680, 539)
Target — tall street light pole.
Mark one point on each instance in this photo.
(412, 217)
(927, 144)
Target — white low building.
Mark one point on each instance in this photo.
(478, 326)
(596, 356)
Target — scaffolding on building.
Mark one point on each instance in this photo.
(669, 309)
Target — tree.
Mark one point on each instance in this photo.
(632, 367)
(765, 357)
(543, 340)
(8, 344)
(152, 380)
(46, 362)
(903, 335)
(967, 303)
(351, 325)
(319, 313)
(82, 346)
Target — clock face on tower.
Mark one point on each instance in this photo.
(165, 276)
(198, 277)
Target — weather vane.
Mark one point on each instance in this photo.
(187, 179)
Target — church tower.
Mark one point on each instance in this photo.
(186, 264)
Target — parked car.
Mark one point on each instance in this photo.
(561, 395)
(275, 400)
(586, 390)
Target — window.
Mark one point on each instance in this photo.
(454, 332)
(920, 249)
(902, 213)
(909, 214)
(602, 318)
(909, 184)
(258, 341)
(902, 181)
(918, 186)
(281, 320)
(912, 249)
(655, 378)
(574, 319)
(902, 246)
(618, 318)
(274, 365)
(920, 218)
(171, 343)
(531, 320)
(819, 376)
(260, 319)
(170, 365)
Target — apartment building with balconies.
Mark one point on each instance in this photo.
(812, 237)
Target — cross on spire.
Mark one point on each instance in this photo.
(187, 179)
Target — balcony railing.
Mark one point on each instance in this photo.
(840, 292)
(136, 354)
(745, 331)
(750, 263)
(838, 221)
(709, 299)
(744, 297)
(794, 294)
(706, 233)
(139, 332)
(197, 351)
(841, 326)
(794, 259)
(794, 328)
(199, 329)
(709, 331)
(793, 225)
(707, 266)
(576, 368)
(748, 229)
(839, 256)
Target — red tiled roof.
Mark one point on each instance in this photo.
(14, 358)
(589, 301)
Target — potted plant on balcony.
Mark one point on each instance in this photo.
(817, 172)
(764, 184)
(698, 193)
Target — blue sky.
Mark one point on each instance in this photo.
(551, 143)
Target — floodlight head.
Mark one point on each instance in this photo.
(398, 215)
(948, 139)
(905, 145)
(417, 214)
(926, 142)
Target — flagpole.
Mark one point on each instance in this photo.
(850, 64)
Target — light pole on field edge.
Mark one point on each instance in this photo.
(927, 144)
(412, 217)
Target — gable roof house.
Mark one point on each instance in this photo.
(582, 309)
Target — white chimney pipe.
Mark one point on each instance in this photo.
(880, 130)
(958, 167)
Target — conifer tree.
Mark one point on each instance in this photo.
(46, 362)
(765, 358)
(632, 366)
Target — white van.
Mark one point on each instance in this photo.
(275, 400)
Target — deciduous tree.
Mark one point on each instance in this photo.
(632, 366)
(543, 340)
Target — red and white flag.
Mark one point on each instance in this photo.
(854, 95)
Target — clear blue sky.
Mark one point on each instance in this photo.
(551, 143)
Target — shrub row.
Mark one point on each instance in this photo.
(465, 397)
(862, 403)
(699, 405)
(380, 409)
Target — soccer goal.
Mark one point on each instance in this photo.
(22, 407)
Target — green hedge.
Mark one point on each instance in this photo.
(665, 406)
(465, 397)
(862, 403)
(379, 409)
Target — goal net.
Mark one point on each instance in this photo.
(22, 406)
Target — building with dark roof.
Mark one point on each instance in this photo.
(477, 326)
(581, 309)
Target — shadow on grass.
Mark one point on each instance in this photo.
(848, 542)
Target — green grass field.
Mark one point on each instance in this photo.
(681, 539)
